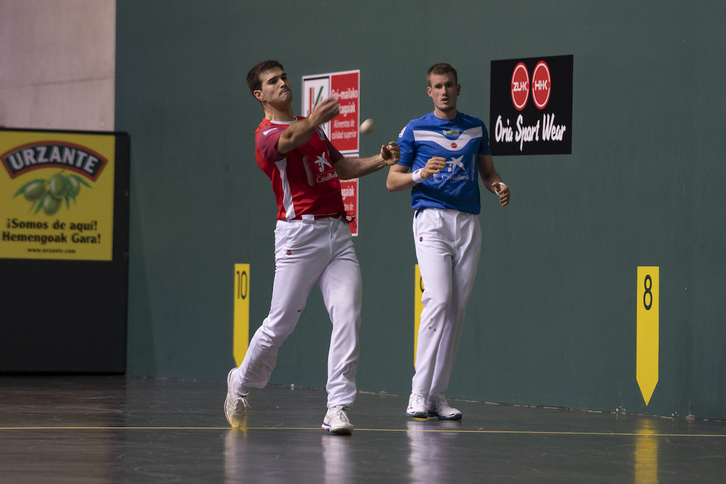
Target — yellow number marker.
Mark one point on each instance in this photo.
(241, 336)
(418, 307)
(646, 371)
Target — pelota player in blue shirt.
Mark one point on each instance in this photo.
(441, 155)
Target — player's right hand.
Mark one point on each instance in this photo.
(325, 110)
(433, 166)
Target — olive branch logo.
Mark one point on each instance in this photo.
(48, 195)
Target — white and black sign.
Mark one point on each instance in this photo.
(531, 106)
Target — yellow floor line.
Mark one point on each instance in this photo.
(458, 431)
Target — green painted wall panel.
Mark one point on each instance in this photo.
(552, 320)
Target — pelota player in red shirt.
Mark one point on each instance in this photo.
(313, 243)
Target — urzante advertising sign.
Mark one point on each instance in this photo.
(64, 204)
(531, 106)
(56, 195)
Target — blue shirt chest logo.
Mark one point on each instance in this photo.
(446, 143)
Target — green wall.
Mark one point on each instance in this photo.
(552, 320)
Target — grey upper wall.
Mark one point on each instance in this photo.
(57, 64)
(552, 320)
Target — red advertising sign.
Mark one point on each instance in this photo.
(345, 87)
(349, 189)
(342, 131)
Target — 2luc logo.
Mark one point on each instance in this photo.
(520, 86)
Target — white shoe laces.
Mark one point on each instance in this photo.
(239, 403)
(339, 412)
(417, 401)
(441, 403)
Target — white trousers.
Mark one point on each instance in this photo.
(448, 243)
(309, 252)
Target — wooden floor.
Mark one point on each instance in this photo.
(91, 429)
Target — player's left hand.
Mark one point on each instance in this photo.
(391, 154)
(503, 191)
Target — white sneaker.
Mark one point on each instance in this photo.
(440, 408)
(235, 405)
(417, 406)
(336, 421)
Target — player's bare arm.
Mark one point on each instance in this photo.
(492, 180)
(349, 168)
(300, 132)
(400, 179)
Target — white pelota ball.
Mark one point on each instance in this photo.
(367, 126)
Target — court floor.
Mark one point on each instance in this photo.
(94, 429)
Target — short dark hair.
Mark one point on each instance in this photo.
(253, 77)
(441, 68)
